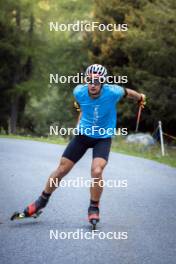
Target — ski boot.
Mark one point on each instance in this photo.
(33, 210)
(93, 216)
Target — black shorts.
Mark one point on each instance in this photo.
(80, 143)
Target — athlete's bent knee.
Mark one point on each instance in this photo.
(97, 171)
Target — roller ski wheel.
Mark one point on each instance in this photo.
(20, 216)
(94, 224)
(93, 216)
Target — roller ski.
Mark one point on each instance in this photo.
(93, 216)
(20, 216)
(33, 210)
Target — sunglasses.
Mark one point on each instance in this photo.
(93, 81)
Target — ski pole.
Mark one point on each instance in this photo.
(138, 118)
(142, 103)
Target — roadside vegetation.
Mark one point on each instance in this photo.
(119, 145)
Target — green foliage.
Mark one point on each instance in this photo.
(145, 53)
(25, 38)
(29, 52)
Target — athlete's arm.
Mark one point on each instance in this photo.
(141, 98)
(77, 106)
(79, 117)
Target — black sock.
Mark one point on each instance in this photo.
(46, 195)
(42, 200)
(94, 203)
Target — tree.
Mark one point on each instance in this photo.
(145, 53)
(16, 59)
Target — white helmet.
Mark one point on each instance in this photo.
(96, 69)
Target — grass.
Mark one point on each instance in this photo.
(53, 140)
(118, 145)
(149, 152)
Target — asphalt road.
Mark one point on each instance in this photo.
(145, 210)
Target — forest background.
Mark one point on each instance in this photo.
(29, 52)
